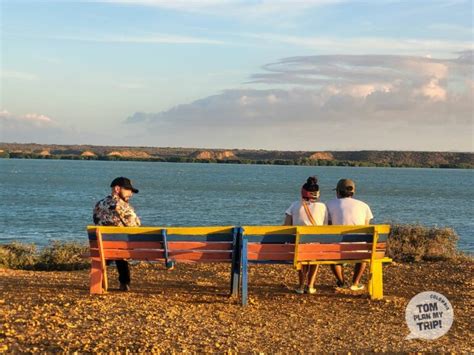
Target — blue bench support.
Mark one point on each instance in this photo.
(235, 270)
(168, 263)
(244, 262)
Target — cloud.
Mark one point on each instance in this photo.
(363, 75)
(19, 75)
(239, 8)
(330, 102)
(359, 45)
(33, 119)
(159, 38)
(40, 128)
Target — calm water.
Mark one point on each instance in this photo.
(45, 199)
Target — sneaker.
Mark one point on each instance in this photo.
(124, 287)
(340, 284)
(311, 290)
(299, 290)
(358, 287)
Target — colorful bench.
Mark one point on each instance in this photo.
(311, 245)
(170, 245)
(239, 246)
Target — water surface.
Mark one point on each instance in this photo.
(53, 199)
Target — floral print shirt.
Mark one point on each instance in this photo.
(113, 211)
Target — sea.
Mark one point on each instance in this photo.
(46, 200)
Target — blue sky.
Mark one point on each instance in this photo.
(296, 75)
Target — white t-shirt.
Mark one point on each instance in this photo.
(349, 212)
(300, 218)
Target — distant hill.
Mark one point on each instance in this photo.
(240, 156)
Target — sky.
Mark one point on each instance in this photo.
(285, 75)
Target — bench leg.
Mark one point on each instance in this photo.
(235, 272)
(376, 282)
(235, 278)
(244, 273)
(97, 277)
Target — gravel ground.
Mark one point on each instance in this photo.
(188, 310)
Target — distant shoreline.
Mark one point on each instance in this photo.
(365, 158)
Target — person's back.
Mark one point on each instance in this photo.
(349, 211)
(300, 217)
(307, 212)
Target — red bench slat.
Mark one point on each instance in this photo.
(310, 247)
(338, 255)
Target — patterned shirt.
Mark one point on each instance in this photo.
(113, 211)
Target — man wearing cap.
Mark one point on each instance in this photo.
(114, 210)
(348, 211)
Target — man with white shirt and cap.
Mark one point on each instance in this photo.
(348, 211)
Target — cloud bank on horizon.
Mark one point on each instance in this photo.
(336, 102)
(162, 87)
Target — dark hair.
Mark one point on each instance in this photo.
(311, 184)
(345, 193)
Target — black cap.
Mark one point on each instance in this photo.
(123, 182)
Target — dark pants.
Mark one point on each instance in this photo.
(123, 271)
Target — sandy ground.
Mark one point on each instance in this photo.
(188, 309)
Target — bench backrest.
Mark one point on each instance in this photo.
(182, 244)
(294, 244)
(340, 242)
(269, 244)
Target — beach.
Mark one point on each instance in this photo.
(188, 310)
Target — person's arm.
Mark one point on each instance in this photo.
(289, 215)
(368, 215)
(326, 217)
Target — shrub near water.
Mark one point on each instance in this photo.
(18, 256)
(63, 256)
(56, 256)
(415, 243)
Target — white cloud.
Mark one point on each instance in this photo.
(158, 38)
(359, 45)
(260, 8)
(332, 102)
(34, 119)
(19, 75)
(40, 128)
(362, 75)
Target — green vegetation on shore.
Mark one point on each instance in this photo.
(240, 156)
(407, 243)
(55, 256)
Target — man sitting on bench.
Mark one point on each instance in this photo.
(114, 210)
(346, 210)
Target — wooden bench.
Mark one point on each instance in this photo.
(311, 245)
(170, 245)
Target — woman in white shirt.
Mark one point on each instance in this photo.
(307, 212)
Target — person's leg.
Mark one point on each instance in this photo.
(339, 273)
(358, 271)
(313, 271)
(302, 278)
(123, 271)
